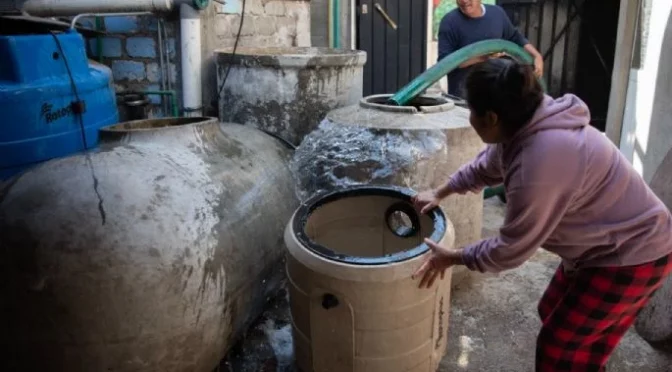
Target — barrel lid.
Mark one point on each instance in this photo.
(403, 194)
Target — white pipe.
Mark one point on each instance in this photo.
(190, 46)
(73, 22)
(63, 8)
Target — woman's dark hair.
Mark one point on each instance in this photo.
(507, 88)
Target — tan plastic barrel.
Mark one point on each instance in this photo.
(354, 305)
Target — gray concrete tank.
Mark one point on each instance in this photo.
(287, 90)
(417, 146)
(151, 254)
(354, 304)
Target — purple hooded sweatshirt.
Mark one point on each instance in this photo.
(568, 189)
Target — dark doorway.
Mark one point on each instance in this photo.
(578, 41)
(394, 56)
(599, 23)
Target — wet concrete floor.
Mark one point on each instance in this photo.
(493, 323)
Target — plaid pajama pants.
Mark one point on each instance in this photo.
(585, 314)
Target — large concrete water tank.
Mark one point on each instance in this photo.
(151, 254)
(287, 90)
(417, 146)
(354, 305)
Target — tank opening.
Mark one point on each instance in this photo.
(402, 221)
(367, 226)
(154, 124)
(417, 102)
(422, 103)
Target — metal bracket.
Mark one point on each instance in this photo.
(385, 15)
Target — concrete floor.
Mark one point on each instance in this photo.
(493, 323)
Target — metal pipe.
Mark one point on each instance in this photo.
(162, 69)
(169, 78)
(337, 23)
(330, 22)
(385, 16)
(334, 23)
(99, 40)
(62, 8)
(78, 16)
(170, 93)
(190, 53)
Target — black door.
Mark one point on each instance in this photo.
(394, 35)
(578, 41)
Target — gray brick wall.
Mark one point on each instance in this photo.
(267, 23)
(131, 50)
(131, 46)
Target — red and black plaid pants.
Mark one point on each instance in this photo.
(586, 313)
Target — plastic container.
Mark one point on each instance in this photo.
(354, 305)
(137, 106)
(40, 121)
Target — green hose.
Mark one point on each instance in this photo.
(453, 61)
(171, 96)
(489, 192)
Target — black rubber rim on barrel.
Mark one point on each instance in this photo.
(404, 195)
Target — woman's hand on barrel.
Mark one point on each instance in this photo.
(426, 201)
(438, 261)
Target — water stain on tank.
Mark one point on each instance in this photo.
(175, 273)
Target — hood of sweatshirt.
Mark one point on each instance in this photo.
(566, 112)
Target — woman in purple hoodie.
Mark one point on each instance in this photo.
(570, 190)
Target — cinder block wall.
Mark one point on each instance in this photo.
(131, 50)
(131, 47)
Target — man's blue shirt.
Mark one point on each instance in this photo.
(458, 30)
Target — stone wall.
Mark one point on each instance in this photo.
(131, 50)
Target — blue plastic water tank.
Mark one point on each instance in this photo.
(39, 121)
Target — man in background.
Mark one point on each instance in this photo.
(472, 22)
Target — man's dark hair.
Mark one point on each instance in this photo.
(507, 88)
